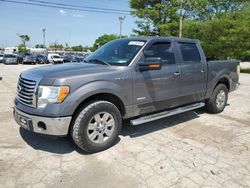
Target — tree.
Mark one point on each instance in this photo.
(39, 46)
(215, 7)
(24, 38)
(165, 17)
(155, 17)
(56, 45)
(78, 48)
(22, 48)
(227, 35)
(223, 27)
(87, 49)
(67, 46)
(103, 40)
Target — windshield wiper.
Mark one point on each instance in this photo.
(98, 61)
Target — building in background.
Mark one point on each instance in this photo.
(10, 50)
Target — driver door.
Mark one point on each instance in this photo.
(155, 90)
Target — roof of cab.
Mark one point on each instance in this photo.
(150, 38)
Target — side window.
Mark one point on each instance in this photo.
(162, 50)
(190, 52)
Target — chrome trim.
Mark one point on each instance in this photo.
(24, 101)
(54, 126)
(28, 94)
(164, 114)
(25, 86)
(25, 96)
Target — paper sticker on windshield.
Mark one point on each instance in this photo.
(136, 43)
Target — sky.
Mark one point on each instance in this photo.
(62, 25)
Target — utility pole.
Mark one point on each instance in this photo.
(121, 19)
(181, 19)
(43, 30)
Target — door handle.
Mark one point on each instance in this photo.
(202, 70)
(177, 73)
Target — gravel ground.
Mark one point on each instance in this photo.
(193, 149)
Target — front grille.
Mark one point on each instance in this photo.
(25, 91)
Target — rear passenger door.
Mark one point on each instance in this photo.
(193, 72)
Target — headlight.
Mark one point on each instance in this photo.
(51, 94)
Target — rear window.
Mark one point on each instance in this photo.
(190, 52)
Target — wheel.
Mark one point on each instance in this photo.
(97, 126)
(218, 100)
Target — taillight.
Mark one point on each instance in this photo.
(238, 70)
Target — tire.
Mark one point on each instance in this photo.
(217, 103)
(89, 124)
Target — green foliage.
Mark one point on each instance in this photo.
(154, 17)
(226, 36)
(78, 48)
(161, 17)
(103, 40)
(56, 45)
(223, 27)
(24, 38)
(245, 71)
(22, 48)
(39, 46)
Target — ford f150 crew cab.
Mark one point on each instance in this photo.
(141, 79)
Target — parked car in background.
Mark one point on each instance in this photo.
(55, 59)
(67, 58)
(41, 59)
(10, 59)
(79, 58)
(29, 59)
(1, 58)
(21, 56)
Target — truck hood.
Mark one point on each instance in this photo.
(48, 74)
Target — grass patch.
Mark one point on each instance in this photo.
(245, 70)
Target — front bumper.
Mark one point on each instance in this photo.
(43, 125)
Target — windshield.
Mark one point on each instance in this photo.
(55, 56)
(117, 52)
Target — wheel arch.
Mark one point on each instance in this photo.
(110, 97)
(223, 80)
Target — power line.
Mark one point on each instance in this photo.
(64, 7)
(77, 6)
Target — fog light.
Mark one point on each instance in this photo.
(41, 125)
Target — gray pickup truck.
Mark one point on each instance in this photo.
(141, 79)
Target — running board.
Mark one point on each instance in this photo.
(164, 114)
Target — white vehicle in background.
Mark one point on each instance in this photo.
(55, 59)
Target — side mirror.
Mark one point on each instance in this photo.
(151, 63)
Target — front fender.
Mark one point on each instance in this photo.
(93, 88)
